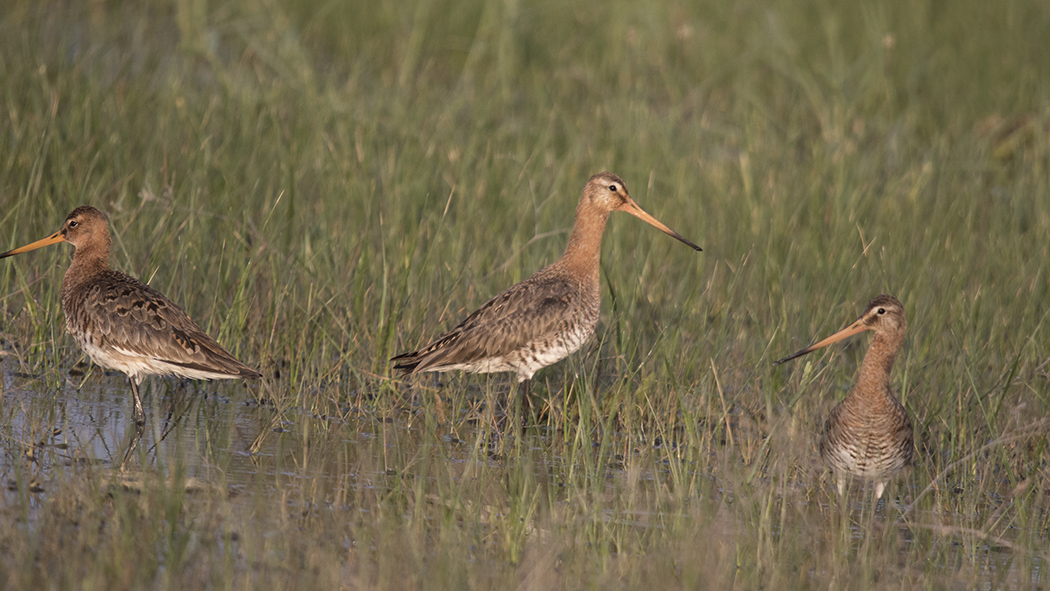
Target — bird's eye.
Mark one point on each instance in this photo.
(73, 223)
(613, 188)
(882, 310)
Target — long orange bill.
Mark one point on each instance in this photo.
(849, 331)
(52, 239)
(633, 208)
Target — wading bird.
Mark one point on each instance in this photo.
(546, 317)
(124, 324)
(869, 434)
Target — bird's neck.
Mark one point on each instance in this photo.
(583, 253)
(88, 261)
(878, 362)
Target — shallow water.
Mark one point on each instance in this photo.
(331, 477)
(92, 423)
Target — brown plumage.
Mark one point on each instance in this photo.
(869, 434)
(546, 317)
(124, 324)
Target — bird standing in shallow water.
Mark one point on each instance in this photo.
(543, 319)
(124, 324)
(869, 434)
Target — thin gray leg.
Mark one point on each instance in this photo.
(140, 416)
(526, 397)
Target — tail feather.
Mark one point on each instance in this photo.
(407, 363)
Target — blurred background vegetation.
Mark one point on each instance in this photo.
(323, 184)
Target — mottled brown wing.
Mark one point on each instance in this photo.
(528, 311)
(119, 311)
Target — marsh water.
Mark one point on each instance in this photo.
(278, 475)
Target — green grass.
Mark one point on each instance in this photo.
(322, 185)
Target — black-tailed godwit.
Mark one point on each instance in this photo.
(869, 434)
(124, 324)
(546, 317)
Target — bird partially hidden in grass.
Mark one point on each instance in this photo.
(546, 317)
(124, 324)
(869, 434)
